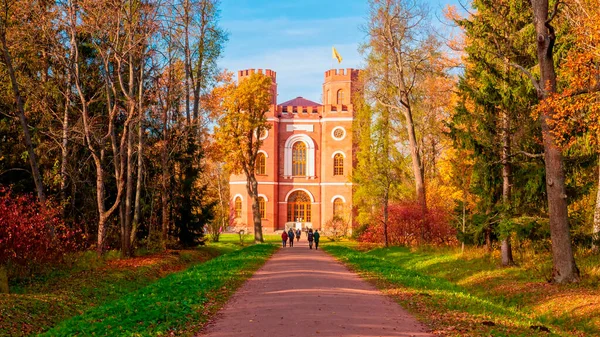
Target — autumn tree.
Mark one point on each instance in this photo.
(575, 104)
(245, 106)
(13, 17)
(379, 164)
(564, 267)
(400, 53)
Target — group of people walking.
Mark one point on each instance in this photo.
(292, 234)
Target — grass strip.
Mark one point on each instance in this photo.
(38, 304)
(451, 309)
(173, 304)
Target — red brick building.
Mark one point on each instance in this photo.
(305, 163)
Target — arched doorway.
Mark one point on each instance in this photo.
(299, 207)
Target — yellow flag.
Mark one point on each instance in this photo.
(336, 55)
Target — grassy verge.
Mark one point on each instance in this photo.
(179, 303)
(36, 304)
(460, 295)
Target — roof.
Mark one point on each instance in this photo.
(299, 101)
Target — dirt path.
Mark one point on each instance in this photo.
(302, 292)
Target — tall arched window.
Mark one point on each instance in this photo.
(299, 159)
(261, 207)
(261, 164)
(299, 207)
(340, 96)
(238, 207)
(338, 165)
(327, 99)
(338, 207)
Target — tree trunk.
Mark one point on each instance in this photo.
(564, 267)
(505, 247)
(386, 214)
(102, 217)
(596, 228)
(164, 195)
(126, 230)
(138, 187)
(464, 220)
(3, 279)
(488, 237)
(140, 160)
(187, 60)
(64, 149)
(416, 159)
(252, 187)
(35, 171)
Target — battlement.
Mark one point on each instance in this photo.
(348, 74)
(294, 109)
(247, 72)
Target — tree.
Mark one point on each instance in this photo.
(9, 21)
(564, 267)
(575, 104)
(401, 52)
(378, 168)
(245, 106)
(497, 100)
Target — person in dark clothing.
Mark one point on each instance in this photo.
(298, 233)
(310, 236)
(284, 238)
(316, 237)
(291, 237)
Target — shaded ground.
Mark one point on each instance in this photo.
(302, 292)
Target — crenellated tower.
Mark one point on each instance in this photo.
(242, 74)
(337, 89)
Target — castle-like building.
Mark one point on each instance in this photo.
(305, 162)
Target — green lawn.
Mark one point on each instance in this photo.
(36, 304)
(469, 295)
(176, 304)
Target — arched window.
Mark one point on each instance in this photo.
(299, 159)
(327, 99)
(338, 165)
(340, 96)
(338, 207)
(299, 207)
(261, 207)
(238, 207)
(261, 164)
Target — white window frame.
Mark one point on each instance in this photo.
(310, 155)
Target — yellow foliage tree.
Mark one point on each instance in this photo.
(245, 106)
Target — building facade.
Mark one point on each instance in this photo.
(305, 162)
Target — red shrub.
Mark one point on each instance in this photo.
(32, 233)
(407, 226)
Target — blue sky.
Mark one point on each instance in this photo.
(294, 38)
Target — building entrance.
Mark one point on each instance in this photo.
(299, 207)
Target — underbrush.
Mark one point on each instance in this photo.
(177, 304)
(471, 295)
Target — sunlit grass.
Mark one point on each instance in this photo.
(456, 293)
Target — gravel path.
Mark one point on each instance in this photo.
(302, 292)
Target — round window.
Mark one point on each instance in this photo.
(338, 133)
(264, 134)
